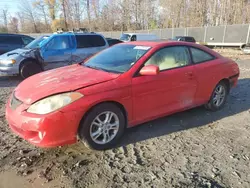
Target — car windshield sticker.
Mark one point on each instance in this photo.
(141, 47)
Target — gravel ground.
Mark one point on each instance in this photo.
(196, 148)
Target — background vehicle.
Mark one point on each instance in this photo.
(246, 49)
(108, 93)
(112, 41)
(183, 38)
(126, 37)
(11, 63)
(56, 51)
(10, 42)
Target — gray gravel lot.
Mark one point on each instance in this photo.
(196, 148)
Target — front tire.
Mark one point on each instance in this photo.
(218, 97)
(103, 127)
(29, 68)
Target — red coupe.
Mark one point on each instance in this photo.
(120, 87)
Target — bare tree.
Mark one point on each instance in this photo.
(52, 6)
(107, 15)
(29, 13)
(4, 16)
(88, 12)
(13, 25)
(76, 10)
(42, 10)
(64, 5)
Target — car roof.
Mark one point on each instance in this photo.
(77, 33)
(13, 34)
(148, 43)
(138, 33)
(87, 33)
(156, 43)
(165, 43)
(183, 36)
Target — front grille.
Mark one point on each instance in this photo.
(14, 103)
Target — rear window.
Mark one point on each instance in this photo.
(200, 56)
(190, 39)
(17, 40)
(88, 41)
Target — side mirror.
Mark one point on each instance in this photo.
(150, 70)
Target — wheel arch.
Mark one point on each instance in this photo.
(118, 104)
(29, 59)
(227, 82)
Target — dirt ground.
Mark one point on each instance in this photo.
(196, 148)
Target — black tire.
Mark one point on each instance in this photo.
(211, 104)
(85, 126)
(29, 68)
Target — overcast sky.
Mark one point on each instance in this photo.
(11, 4)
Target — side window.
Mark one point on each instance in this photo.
(59, 43)
(133, 38)
(200, 56)
(26, 40)
(170, 57)
(97, 41)
(14, 40)
(2, 39)
(89, 41)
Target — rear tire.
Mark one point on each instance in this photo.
(29, 68)
(218, 97)
(102, 127)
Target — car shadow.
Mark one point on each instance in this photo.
(238, 101)
(9, 81)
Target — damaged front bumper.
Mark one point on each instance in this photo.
(50, 130)
(9, 70)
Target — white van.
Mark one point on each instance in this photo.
(126, 37)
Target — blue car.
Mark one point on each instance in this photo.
(48, 52)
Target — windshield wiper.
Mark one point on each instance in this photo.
(99, 68)
(94, 67)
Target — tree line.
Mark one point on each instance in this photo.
(39, 16)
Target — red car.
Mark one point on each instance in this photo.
(120, 87)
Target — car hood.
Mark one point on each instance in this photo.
(14, 53)
(59, 80)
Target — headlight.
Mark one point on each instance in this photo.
(8, 61)
(53, 103)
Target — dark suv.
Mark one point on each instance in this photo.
(10, 42)
(184, 38)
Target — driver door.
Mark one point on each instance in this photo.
(58, 52)
(173, 89)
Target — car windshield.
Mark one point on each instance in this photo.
(35, 43)
(125, 37)
(117, 59)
